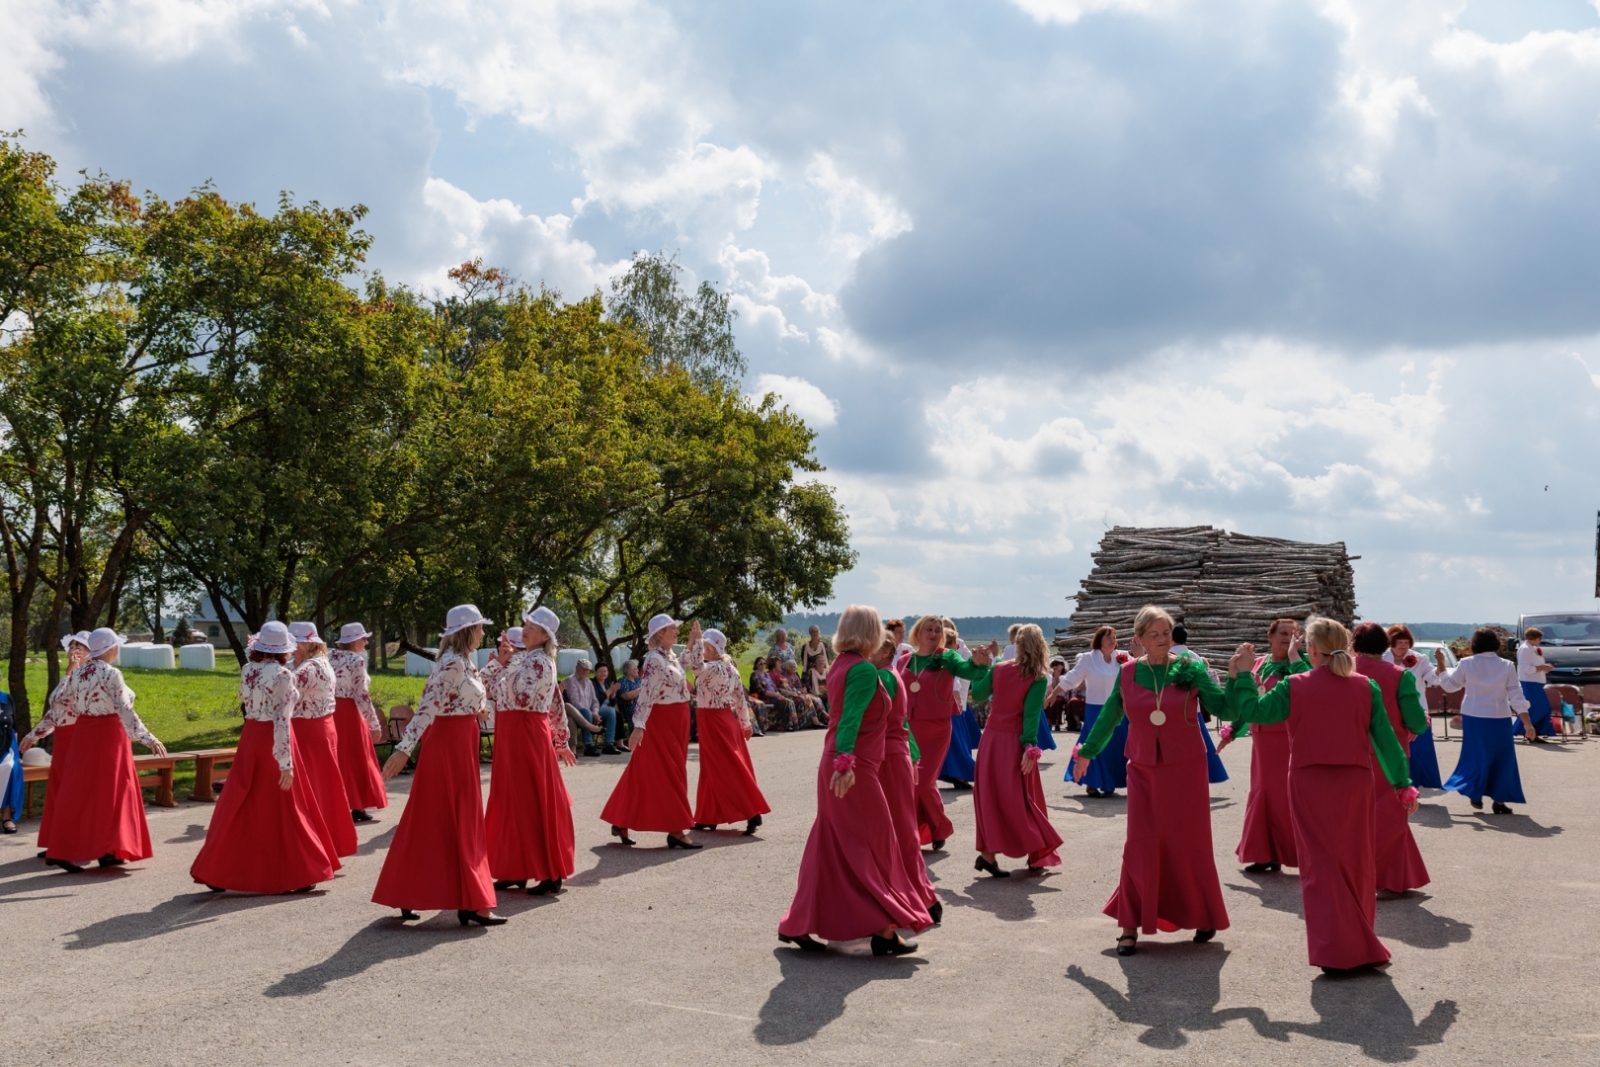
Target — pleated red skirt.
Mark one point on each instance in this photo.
(358, 760)
(1268, 835)
(900, 793)
(1169, 875)
(440, 858)
(1010, 809)
(264, 839)
(100, 810)
(1396, 857)
(933, 742)
(53, 784)
(653, 792)
(727, 791)
(529, 822)
(1333, 816)
(317, 761)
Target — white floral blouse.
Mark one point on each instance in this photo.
(351, 683)
(528, 683)
(268, 694)
(661, 682)
(453, 689)
(95, 687)
(717, 683)
(314, 680)
(56, 713)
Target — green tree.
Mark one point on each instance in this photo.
(693, 331)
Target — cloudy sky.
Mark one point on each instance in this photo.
(1326, 269)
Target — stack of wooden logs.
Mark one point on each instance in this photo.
(1224, 587)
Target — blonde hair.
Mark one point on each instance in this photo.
(1330, 637)
(1148, 616)
(860, 631)
(463, 642)
(1011, 631)
(550, 645)
(317, 649)
(927, 620)
(1032, 654)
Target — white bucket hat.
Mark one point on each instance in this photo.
(104, 639)
(659, 623)
(544, 617)
(352, 631)
(514, 636)
(81, 637)
(716, 639)
(274, 638)
(462, 617)
(304, 631)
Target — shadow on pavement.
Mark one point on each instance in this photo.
(171, 916)
(1406, 920)
(195, 832)
(1007, 899)
(814, 989)
(1094, 807)
(618, 861)
(1368, 1012)
(1279, 892)
(377, 841)
(379, 941)
(1520, 825)
(1173, 991)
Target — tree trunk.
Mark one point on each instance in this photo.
(219, 606)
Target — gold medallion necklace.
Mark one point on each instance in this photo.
(1157, 717)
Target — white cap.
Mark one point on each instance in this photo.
(104, 639)
(274, 638)
(583, 661)
(542, 616)
(81, 637)
(462, 617)
(352, 631)
(304, 631)
(716, 639)
(659, 623)
(514, 635)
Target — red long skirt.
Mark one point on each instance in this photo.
(1169, 875)
(853, 882)
(316, 744)
(263, 839)
(727, 791)
(358, 760)
(1338, 883)
(896, 775)
(653, 792)
(529, 822)
(53, 784)
(100, 811)
(1268, 835)
(1010, 809)
(933, 742)
(440, 859)
(1396, 858)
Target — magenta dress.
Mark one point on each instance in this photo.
(1010, 809)
(897, 774)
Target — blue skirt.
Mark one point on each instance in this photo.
(12, 797)
(1109, 770)
(1047, 736)
(1538, 711)
(1215, 771)
(1488, 763)
(965, 733)
(1425, 762)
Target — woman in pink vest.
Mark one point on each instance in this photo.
(1009, 799)
(1169, 877)
(1336, 720)
(1267, 842)
(898, 773)
(1399, 861)
(931, 672)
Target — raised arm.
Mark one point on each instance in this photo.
(965, 669)
(1246, 703)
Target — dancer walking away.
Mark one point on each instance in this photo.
(1337, 721)
(1424, 757)
(100, 812)
(727, 790)
(316, 739)
(1169, 878)
(898, 775)
(440, 858)
(356, 723)
(1096, 670)
(1488, 762)
(931, 672)
(852, 880)
(1009, 799)
(529, 821)
(653, 792)
(1267, 843)
(1397, 860)
(1532, 670)
(58, 719)
(266, 835)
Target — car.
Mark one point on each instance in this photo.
(1571, 645)
(1439, 702)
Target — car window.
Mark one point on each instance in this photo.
(1566, 629)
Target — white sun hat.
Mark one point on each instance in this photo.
(304, 632)
(105, 639)
(514, 636)
(352, 631)
(659, 623)
(274, 638)
(716, 639)
(542, 616)
(81, 637)
(462, 617)
(36, 757)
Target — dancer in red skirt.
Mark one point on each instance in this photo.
(1267, 843)
(266, 835)
(1169, 877)
(653, 792)
(356, 722)
(1337, 720)
(1008, 798)
(440, 856)
(898, 775)
(57, 719)
(1398, 860)
(529, 822)
(931, 671)
(316, 738)
(100, 810)
(727, 790)
(852, 881)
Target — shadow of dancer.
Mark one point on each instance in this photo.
(378, 942)
(1007, 899)
(1405, 919)
(1367, 1011)
(377, 841)
(1094, 807)
(170, 916)
(1173, 994)
(617, 861)
(1279, 892)
(814, 989)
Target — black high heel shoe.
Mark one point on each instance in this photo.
(1262, 868)
(519, 884)
(938, 844)
(805, 943)
(622, 836)
(1202, 936)
(678, 842)
(750, 827)
(406, 915)
(216, 889)
(465, 917)
(892, 946)
(108, 860)
(936, 911)
(992, 869)
(1501, 809)
(65, 865)
(705, 826)
(1131, 947)
(550, 886)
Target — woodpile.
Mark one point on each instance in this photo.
(1225, 587)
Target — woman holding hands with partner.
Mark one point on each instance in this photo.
(1266, 844)
(1488, 762)
(1424, 757)
(1397, 859)
(898, 774)
(931, 671)
(1096, 670)
(1008, 799)
(653, 792)
(727, 791)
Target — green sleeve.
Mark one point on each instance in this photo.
(860, 686)
(1247, 704)
(1032, 708)
(984, 689)
(1412, 712)
(916, 753)
(1110, 716)
(891, 682)
(965, 669)
(1212, 698)
(1391, 756)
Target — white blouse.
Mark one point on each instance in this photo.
(661, 681)
(528, 683)
(1529, 659)
(95, 687)
(1491, 685)
(268, 694)
(315, 682)
(717, 683)
(1421, 667)
(350, 681)
(453, 689)
(1095, 675)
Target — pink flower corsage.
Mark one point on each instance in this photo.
(1123, 657)
(844, 763)
(1406, 796)
(1033, 752)
(1225, 731)
(1411, 659)
(1075, 751)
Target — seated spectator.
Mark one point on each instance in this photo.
(812, 712)
(592, 717)
(814, 654)
(776, 710)
(1055, 698)
(782, 655)
(627, 693)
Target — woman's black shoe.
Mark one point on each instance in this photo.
(805, 943)
(936, 911)
(521, 884)
(1130, 948)
(1477, 804)
(357, 815)
(1501, 809)
(938, 844)
(622, 836)
(750, 827)
(7, 826)
(406, 915)
(302, 889)
(705, 826)
(465, 917)
(608, 749)
(1262, 868)
(216, 889)
(108, 860)
(1202, 936)
(892, 946)
(70, 868)
(678, 842)
(990, 868)
(548, 886)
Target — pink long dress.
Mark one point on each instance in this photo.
(1010, 808)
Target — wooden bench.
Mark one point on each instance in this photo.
(206, 776)
(158, 767)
